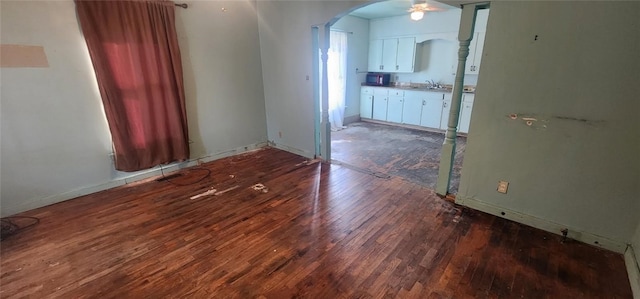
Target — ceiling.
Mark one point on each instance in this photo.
(393, 8)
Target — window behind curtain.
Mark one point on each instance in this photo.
(134, 50)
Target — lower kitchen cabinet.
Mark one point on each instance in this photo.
(394, 109)
(412, 109)
(379, 106)
(419, 108)
(366, 105)
(444, 120)
(465, 112)
(431, 112)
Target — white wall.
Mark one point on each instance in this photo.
(55, 142)
(577, 166)
(357, 59)
(433, 22)
(55, 137)
(285, 44)
(223, 75)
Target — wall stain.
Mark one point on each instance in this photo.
(580, 120)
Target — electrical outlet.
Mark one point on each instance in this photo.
(503, 186)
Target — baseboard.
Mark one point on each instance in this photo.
(35, 203)
(546, 225)
(351, 119)
(299, 152)
(633, 269)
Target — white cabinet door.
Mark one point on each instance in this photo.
(475, 54)
(380, 97)
(431, 110)
(392, 55)
(389, 54)
(394, 109)
(375, 55)
(446, 108)
(366, 105)
(412, 109)
(477, 57)
(465, 113)
(406, 56)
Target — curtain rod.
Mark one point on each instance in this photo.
(183, 5)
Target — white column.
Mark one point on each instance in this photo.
(465, 34)
(325, 148)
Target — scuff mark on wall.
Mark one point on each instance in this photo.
(530, 120)
(580, 120)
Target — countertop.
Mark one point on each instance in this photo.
(468, 89)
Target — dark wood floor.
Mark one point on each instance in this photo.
(315, 231)
(389, 150)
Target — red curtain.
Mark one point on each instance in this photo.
(134, 49)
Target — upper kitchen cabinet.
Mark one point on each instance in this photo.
(475, 54)
(392, 55)
(477, 43)
(375, 55)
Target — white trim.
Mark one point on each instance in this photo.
(35, 203)
(543, 224)
(633, 269)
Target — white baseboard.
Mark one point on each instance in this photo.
(546, 225)
(293, 150)
(633, 269)
(35, 203)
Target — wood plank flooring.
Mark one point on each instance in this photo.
(316, 231)
(411, 154)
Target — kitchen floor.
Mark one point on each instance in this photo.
(391, 151)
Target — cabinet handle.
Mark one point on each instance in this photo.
(397, 67)
(381, 67)
(423, 102)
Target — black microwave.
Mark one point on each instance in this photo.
(377, 79)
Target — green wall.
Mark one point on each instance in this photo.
(574, 68)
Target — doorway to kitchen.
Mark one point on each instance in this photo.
(397, 130)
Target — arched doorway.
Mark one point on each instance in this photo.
(451, 103)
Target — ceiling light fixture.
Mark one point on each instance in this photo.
(417, 15)
(417, 10)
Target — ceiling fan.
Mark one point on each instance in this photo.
(417, 10)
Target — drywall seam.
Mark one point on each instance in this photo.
(543, 224)
(41, 202)
(633, 270)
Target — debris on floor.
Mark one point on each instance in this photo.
(226, 190)
(260, 187)
(208, 192)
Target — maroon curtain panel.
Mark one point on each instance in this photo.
(134, 49)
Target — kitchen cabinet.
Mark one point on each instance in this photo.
(380, 98)
(375, 55)
(392, 55)
(394, 105)
(394, 109)
(412, 108)
(431, 110)
(406, 55)
(366, 102)
(476, 46)
(446, 108)
(465, 113)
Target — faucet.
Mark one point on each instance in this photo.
(433, 83)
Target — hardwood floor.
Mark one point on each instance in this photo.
(315, 231)
(388, 150)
